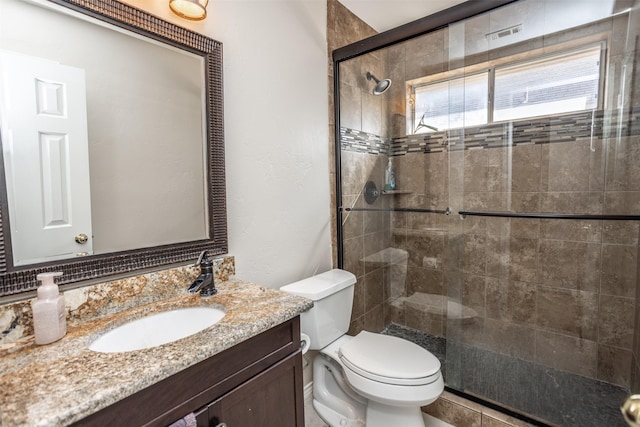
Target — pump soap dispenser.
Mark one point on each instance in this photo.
(49, 316)
(389, 177)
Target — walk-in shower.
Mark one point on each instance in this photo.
(509, 247)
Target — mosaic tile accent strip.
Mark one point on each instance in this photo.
(420, 143)
(545, 130)
(363, 142)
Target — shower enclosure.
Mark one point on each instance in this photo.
(509, 245)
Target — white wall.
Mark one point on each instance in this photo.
(276, 132)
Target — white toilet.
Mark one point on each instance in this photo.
(370, 379)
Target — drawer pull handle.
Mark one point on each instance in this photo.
(222, 425)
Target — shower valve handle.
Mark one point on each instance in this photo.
(371, 192)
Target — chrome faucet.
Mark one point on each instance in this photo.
(205, 284)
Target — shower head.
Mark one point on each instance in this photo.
(381, 85)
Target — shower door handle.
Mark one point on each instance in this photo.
(631, 410)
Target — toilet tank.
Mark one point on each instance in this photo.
(332, 295)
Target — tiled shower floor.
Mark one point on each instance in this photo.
(558, 397)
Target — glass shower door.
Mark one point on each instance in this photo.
(509, 246)
(542, 258)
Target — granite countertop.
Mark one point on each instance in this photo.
(63, 382)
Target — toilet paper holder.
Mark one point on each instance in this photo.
(305, 343)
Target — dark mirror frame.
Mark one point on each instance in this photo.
(14, 280)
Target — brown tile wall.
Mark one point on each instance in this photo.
(558, 292)
(634, 25)
(364, 232)
(635, 358)
(343, 28)
(460, 412)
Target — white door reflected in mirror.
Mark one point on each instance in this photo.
(45, 145)
(146, 120)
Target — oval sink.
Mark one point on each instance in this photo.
(157, 329)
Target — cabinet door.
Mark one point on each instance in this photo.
(202, 417)
(272, 398)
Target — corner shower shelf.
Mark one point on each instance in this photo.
(371, 192)
(396, 192)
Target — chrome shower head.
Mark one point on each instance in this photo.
(381, 85)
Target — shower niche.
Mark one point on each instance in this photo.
(510, 248)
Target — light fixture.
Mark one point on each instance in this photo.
(195, 10)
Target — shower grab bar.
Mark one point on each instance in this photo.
(437, 211)
(551, 216)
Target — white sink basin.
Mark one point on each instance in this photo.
(157, 329)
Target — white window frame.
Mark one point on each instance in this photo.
(491, 67)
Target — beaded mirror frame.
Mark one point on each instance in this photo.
(15, 280)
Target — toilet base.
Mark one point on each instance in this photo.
(380, 415)
(430, 421)
(335, 419)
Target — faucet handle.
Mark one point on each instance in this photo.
(205, 283)
(203, 256)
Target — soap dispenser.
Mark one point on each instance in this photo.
(389, 177)
(49, 316)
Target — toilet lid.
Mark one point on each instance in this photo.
(389, 359)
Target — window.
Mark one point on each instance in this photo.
(561, 83)
(452, 103)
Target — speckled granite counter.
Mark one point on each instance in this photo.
(64, 382)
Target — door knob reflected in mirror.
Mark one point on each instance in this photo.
(82, 238)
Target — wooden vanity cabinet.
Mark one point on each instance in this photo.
(256, 383)
(267, 400)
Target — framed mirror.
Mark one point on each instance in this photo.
(148, 188)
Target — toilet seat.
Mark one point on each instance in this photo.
(389, 360)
